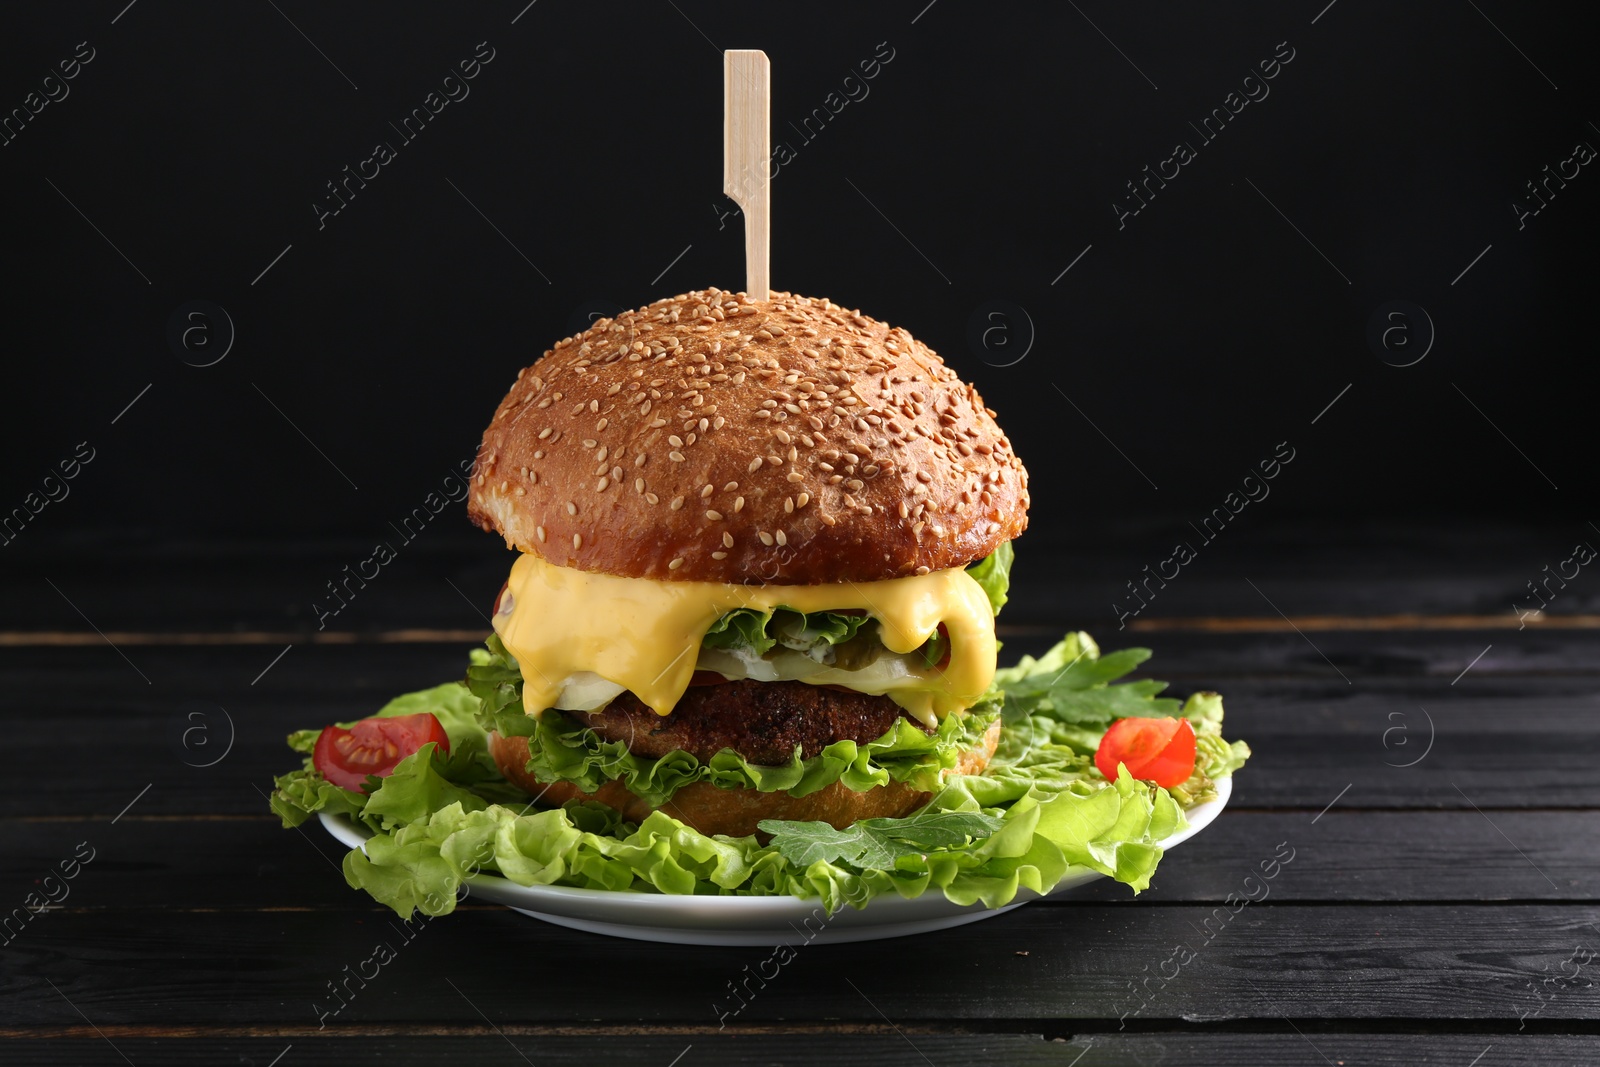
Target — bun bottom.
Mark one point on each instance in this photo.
(735, 812)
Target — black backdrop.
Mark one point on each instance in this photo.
(580, 169)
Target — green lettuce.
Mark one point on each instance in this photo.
(762, 631)
(298, 795)
(560, 750)
(993, 572)
(1039, 811)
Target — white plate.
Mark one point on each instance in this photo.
(718, 920)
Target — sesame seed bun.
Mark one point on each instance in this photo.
(711, 809)
(710, 437)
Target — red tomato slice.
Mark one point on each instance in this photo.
(373, 746)
(1156, 750)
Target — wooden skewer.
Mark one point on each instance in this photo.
(746, 155)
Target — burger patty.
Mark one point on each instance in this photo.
(762, 721)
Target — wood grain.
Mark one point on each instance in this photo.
(1266, 962)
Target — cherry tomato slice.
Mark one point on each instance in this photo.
(1156, 750)
(373, 746)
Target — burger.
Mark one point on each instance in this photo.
(747, 645)
(744, 532)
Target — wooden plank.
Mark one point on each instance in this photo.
(1519, 742)
(911, 1048)
(1261, 963)
(1063, 578)
(1357, 655)
(252, 863)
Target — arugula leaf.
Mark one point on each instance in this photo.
(993, 572)
(875, 844)
(1071, 684)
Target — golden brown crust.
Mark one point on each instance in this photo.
(709, 437)
(735, 812)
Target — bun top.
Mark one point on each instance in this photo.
(711, 437)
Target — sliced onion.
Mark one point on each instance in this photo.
(586, 691)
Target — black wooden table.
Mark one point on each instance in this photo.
(1429, 767)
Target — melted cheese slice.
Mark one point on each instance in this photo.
(645, 635)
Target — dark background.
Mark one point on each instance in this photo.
(986, 157)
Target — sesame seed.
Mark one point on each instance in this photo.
(730, 487)
(677, 502)
(714, 516)
(738, 504)
(719, 555)
(601, 484)
(603, 453)
(727, 539)
(904, 511)
(829, 520)
(802, 500)
(652, 498)
(796, 476)
(755, 465)
(638, 461)
(589, 442)
(675, 441)
(544, 433)
(539, 533)
(638, 485)
(766, 538)
(706, 491)
(572, 509)
(782, 538)
(788, 504)
(675, 564)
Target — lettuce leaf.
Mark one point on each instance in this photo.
(559, 750)
(1040, 811)
(762, 631)
(988, 856)
(1065, 697)
(298, 795)
(993, 572)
